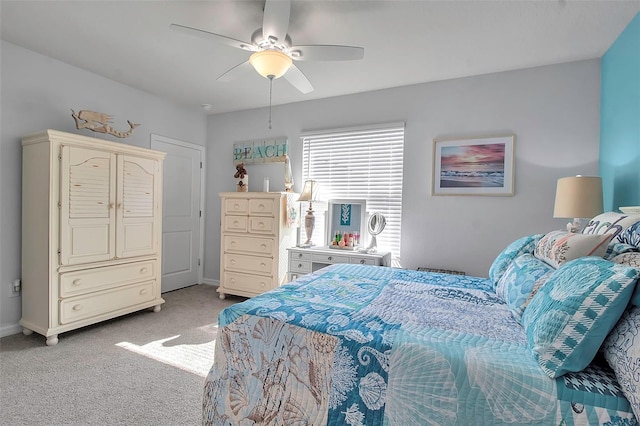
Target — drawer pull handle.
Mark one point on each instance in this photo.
(299, 265)
(264, 246)
(236, 206)
(330, 258)
(233, 261)
(261, 224)
(262, 284)
(143, 291)
(77, 307)
(233, 243)
(233, 280)
(299, 255)
(77, 281)
(263, 265)
(236, 223)
(362, 261)
(261, 206)
(143, 270)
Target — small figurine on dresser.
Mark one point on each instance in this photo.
(243, 178)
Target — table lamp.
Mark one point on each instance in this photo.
(309, 193)
(578, 197)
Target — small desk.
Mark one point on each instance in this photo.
(303, 261)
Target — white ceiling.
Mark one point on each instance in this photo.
(405, 42)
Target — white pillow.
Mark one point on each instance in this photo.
(558, 247)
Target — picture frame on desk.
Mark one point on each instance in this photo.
(345, 215)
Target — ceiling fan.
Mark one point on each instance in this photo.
(273, 51)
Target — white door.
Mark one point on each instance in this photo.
(181, 212)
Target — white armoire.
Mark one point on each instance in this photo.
(91, 231)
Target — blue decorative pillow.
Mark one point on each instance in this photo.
(632, 259)
(571, 315)
(631, 235)
(615, 248)
(519, 280)
(520, 246)
(622, 352)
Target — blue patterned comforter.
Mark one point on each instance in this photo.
(363, 345)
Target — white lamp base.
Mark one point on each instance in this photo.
(309, 225)
(575, 226)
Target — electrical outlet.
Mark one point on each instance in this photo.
(16, 286)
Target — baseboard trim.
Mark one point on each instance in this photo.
(8, 330)
(211, 281)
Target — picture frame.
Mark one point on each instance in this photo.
(345, 216)
(473, 166)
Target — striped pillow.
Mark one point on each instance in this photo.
(558, 247)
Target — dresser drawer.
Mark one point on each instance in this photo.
(236, 243)
(262, 225)
(363, 261)
(103, 302)
(329, 258)
(245, 282)
(89, 280)
(236, 206)
(262, 207)
(303, 266)
(235, 223)
(243, 263)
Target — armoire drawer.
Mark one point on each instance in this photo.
(94, 304)
(235, 223)
(236, 206)
(95, 279)
(262, 207)
(246, 282)
(243, 263)
(236, 243)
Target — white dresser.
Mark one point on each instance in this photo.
(254, 238)
(306, 260)
(91, 231)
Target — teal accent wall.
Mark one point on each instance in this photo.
(619, 161)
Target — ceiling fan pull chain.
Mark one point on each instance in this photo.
(270, 92)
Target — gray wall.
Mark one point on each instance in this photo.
(38, 93)
(552, 110)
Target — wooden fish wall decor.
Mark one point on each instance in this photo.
(99, 122)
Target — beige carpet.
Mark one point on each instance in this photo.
(141, 369)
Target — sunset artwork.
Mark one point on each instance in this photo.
(478, 166)
(472, 166)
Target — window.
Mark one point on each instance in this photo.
(361, 163)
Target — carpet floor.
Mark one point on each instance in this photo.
(144, 368)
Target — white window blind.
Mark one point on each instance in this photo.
(362, 163)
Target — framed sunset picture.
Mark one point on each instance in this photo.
(474, 166)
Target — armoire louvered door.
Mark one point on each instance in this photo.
(110, 211)
(87, 213)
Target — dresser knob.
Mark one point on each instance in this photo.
(330, 258)
(299, 265)
(300, 255)
(264, 246)
(362, 261)
(233, 243)
(143, 270)
(263, 265)
(236, 206)
(77, 307)
(77, 281)
(262, 284)
(236, 223)
(233, 280)
(261, 206)
(143, 291)
(233, 262)
(261, 224)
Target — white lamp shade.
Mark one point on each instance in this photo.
(310, 191)
(270, 63)
(578, 197)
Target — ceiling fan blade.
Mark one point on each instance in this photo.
(213, 36)
(236, 71)
(298, 79)
(319, 52)
(275, 22)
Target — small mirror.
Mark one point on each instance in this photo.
(375, 226)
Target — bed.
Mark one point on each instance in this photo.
(368, 345)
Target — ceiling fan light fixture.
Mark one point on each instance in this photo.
(270, 63)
